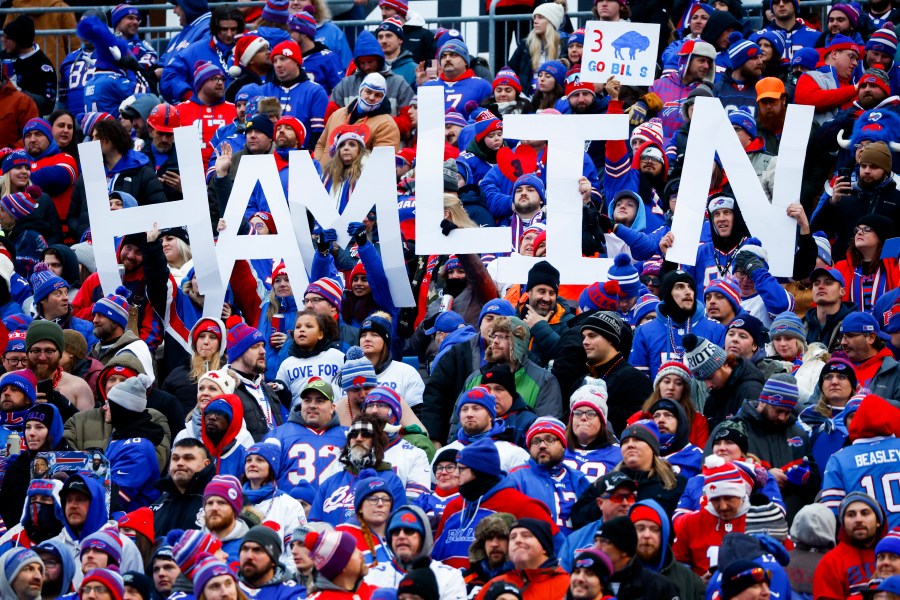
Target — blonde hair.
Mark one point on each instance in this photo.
(543, 48)
(458, 214)
(5, 183)
(661, 469)
(338, 172)
(183, 249)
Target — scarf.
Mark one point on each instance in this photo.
(263, 493)
(478, 487)
(865, 295)
(496, 429)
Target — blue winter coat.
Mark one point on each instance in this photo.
(558, 488)
(176, 83)
(134, 469)
(105, 91)
(334, 499)
(652, 345)
(333, 36)
(304, 99)
(74, 72)
(826, 436)
(324, 67)
(198, 29)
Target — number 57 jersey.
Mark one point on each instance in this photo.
(871, 464)
(306, 453)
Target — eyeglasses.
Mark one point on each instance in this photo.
(16, 361)
(378, 500)
(45, 351)
(451, 468)
(630, 498)
(405, 531)
(379, 405)
(585, 414)
(500, 337)
(547, 440)
(99, 590)
(217, 78)
(259, 226)
(651, 159)
(864, 229)
(312, 300)
(363, 433)
(757, 575)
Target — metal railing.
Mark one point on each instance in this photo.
(157, 35)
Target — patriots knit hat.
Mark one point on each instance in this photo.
(609, 325)
(555, 69)
(485, 124)
(540, 529)
(724, 479)
(267, 538)
(330, 289)
(644, 430)
(499, 307)
(369, 482)
(620, 532)
(289, 49)
(457, 47)
(805, 57)
(392, 25)
(40, 330)
(849, 10)
(276, 11)
(702, 356)
(480, 396)
(270, 452)
(741, 51)
(209, 567)
(304, 24)
(189, 546)
(226, 487)
(18, 205)
(131, 394)
(728, 287)
(553, 12)
(780, 390)
(16, 559)
(16, 158)
(574, 83)
(592, 394)
(672, 367)
(841, 366)
(240, 338)
(245, 48)
(121, 11)
(24, 380)
(105, 540)
(549, 425)
(114, 307)
(884, 40)
(401, 6)
(330, 551)
(482, 456)
(44, 282)
(203, 72)
(109, 578)
(744, 120)
(386, 395)
(789, 324)
(889, 543)
(596, 561)
(39, 125)
(627, 276)
(357, 371)
(751, 325)
(600, 296)
(506, 76)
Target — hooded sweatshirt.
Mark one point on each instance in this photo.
(228, 454)
(685, 457)
(306, 453)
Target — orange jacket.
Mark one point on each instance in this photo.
(536, 584)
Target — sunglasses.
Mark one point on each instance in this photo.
(363, 433)
(620, 498)
(756, 575)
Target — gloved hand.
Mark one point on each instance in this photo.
(654, 103)
(606, 224)
(797, 472)
(358, 232)
(637, 114)
(447, 226)
(748, 262)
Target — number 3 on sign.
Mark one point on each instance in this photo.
(598, 42)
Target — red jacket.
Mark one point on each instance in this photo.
(207, 120)
(809, 92)
(890, 274)
(698, 536)
(363, 592)
(844, 569)
(536, 584)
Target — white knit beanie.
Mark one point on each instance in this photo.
(131, 394)
(593, 394)
(553, 12)
(221, 378)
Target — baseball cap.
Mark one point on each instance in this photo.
(320, 385)
(614, 479)
(446, 322)
(769, 87)
(861, 322)
(831, 272)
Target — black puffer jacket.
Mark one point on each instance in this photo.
(586, 509)
(745, 383)
(174, 510)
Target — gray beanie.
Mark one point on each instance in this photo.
(814, 526)
(131, 394)
(703, 357)
(267, 538)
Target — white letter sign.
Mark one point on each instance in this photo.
(620, 49)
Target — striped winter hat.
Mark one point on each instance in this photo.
(330, 289)
(884, 40)
(208, 567)
(105, 540)
(627, 276)
(780, 390)
(303, 23)
(724, 479)
(645, 305)
(742, 51)
(600, 296)
(276, 11)
(121, 11)
(673, 367)
(18, 205)
(386, 395)
(89, 120)
(357, 371)
(392, 25)
(187, 550)
(109, 578)
(787, 323)
(546, 425)
(114, 307)
(330, 551)
(203, 72)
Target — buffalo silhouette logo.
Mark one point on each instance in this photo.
(631, 41)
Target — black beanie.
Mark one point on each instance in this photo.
(620, 532)
(502, 376)
(267, 538)
(666, 285)
(420, 580)
(609, 325)
(140, 582)
(881, 225)
(21, 31)
(543, 273)
(732, 431)
(540, 530)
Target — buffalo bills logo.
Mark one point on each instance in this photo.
(795, 442)
(737, 323)
(408, 517)
(359, 380)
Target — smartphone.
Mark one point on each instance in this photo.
(844, 172)
(45, 387)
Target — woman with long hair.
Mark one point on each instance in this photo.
(868, 276)
(789, 346)
(542, 44)
(16, 179)
(176, 247)
(276, 331)
(311, 352)
(62, 124)
(551, 86)
(375, 336)
(348, 155)
(591, 447)
(207, 354)
(673, 381)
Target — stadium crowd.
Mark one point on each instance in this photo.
(670, 432)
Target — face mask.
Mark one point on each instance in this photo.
(366, 107)
(42, 523)
(455, 287)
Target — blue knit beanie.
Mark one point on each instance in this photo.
(457, 47)
(556, 69)
(482, 456)
(535, 182)
(240, 338)
(369, 483)
(384, 394)
(787, 323)
(269, 451)
(357, 371)
(480, 396)
(499, 307)
(44, 282)
(627, 276)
